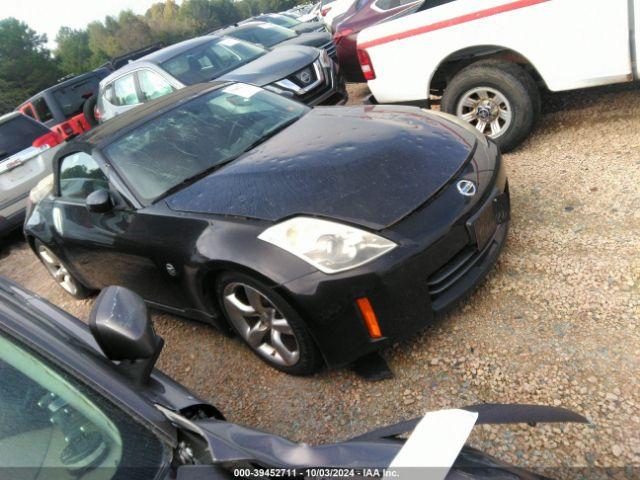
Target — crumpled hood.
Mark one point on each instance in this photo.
(273, 66)
(367, 165)
(230, 443)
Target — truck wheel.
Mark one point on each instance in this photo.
(499, 98)
(88, 109)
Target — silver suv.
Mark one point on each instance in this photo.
(26, 156)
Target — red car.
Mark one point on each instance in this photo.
(361, 15)
(67, 108)
(61, 107)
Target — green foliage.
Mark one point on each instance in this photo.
(11, 95)
(73, 53)
(27, 66)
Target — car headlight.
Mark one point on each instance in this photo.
(329, 246)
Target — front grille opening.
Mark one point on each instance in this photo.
(446, 277)
(455, 269)
(307, 73)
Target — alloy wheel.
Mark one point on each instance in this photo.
(58, 270)
(487, 110)
(261, 324)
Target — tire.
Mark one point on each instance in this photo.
(60, 273)
(254, 325)
(88, 110)
(499, 80)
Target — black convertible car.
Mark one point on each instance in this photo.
(80, 402)
(318, 235)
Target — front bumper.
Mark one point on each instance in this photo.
(411, 285)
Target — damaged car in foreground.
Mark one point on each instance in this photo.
(85, 402)
(317, 235)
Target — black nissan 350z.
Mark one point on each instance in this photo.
(318, 235)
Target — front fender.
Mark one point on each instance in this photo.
(227, 245)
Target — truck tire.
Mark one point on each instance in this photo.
(497, 97)
(88, 109)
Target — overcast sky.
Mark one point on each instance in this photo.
(47, 16)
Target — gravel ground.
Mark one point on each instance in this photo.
(555, 323)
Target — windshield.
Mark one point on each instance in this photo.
(17, 134)
(212, 59)
(198, 136)
(266, 34)
(283, 21)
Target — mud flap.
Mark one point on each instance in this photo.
(372, 367)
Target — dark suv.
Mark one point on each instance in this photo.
(303, 73)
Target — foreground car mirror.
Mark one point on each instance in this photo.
(120, 323)
(99, 201)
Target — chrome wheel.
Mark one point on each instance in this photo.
(261, 324)
(486, 109)
(57, 270)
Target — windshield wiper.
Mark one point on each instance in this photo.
(270, 133)
(189, 180)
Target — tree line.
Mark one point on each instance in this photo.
(27, 65)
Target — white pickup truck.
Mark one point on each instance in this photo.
(489, 58)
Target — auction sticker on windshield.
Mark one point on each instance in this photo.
(242, 90)
(229, 42)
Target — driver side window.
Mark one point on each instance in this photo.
(80, 176)
(52, 426)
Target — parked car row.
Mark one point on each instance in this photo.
(303, 68)
(305, 73)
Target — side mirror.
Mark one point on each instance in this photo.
(99, 201)
(120, 323)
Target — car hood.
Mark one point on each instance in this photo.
(273, 66)
(311, 39)
(309, 27)
(366, 165)
(232, 443)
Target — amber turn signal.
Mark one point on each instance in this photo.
(369, 316)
